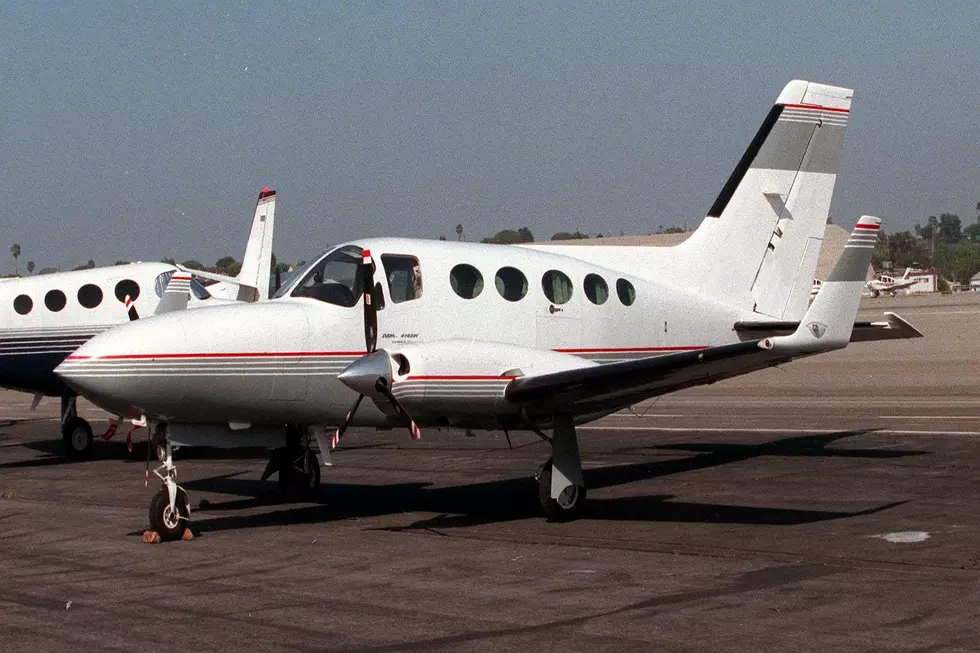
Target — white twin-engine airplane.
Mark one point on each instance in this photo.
(891, 285)
(47, 317)
(443, 334)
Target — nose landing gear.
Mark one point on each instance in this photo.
(76, 433)
(170, 511)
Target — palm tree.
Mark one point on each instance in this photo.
(15, 250)
(459, 232)
(30, 267)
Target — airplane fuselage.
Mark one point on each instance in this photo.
(278, 361)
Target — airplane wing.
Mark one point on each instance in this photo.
(892, 327)
(827, 325)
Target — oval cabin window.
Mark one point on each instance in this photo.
(127, 288)
(626, 292)
(90, 295)
(55, 300)
(511, 284)
(557, 286)
(596, 289)
(23, 304)
(466, 281)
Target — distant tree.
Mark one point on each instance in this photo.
(958, 262)
(442, 238)
(972, 233)
(675, 230)
(504, 237)
(15, 250)
(459, 232)
(86, 266)
(168, 260)
(226, 262)
(193, 265)
(902, 249)
(564, 235)
(526, 235)
(122, 263)
(300, 263)
(949, 229)
(30, 267)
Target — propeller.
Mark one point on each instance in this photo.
(373, 370)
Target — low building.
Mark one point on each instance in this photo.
(975, 282)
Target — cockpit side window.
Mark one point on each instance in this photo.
(335, 279)
(404, 277)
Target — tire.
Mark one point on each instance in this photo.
(571, 504)
(295, 484)
(76, 435)
(162, 521)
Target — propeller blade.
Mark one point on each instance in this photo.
(347, 420)
(131, 309)
(370, 310)
(382, 386)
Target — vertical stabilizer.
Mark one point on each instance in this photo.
(758, 246)
(257, 261)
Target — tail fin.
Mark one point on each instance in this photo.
(257, 261)
(758, 246)
(829, 321)
(907, 275)
(176, 295)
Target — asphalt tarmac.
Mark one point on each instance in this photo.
(830, 505)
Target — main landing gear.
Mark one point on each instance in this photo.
(561, 485)
(76, 433)
(170, 511)
(298, 467)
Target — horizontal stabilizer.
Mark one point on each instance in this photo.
(893, 327)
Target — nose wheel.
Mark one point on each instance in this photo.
(169, 519)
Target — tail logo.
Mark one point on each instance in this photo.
(817, 329)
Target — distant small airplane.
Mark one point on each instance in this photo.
(478, 336)
(44, 318)
(891, 285)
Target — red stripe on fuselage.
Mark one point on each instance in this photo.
(271, 354)
(816, 107)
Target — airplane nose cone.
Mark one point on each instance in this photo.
(114, 370)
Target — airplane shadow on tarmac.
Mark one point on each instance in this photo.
(515, 498)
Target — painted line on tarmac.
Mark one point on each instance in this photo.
(715, 429)
(976, 417)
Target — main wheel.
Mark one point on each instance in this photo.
(169, 524)
(295, 482)
(569, 505)
(77, 436)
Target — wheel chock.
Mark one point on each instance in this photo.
(187, 536)
(151, 537)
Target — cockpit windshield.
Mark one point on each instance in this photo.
(335, 279)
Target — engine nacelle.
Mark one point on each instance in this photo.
(462, 382)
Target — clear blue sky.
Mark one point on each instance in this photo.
(147, 131)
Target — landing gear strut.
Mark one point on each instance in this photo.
(298, 467)
(170, 511)
(75, 431)
(561, 486)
